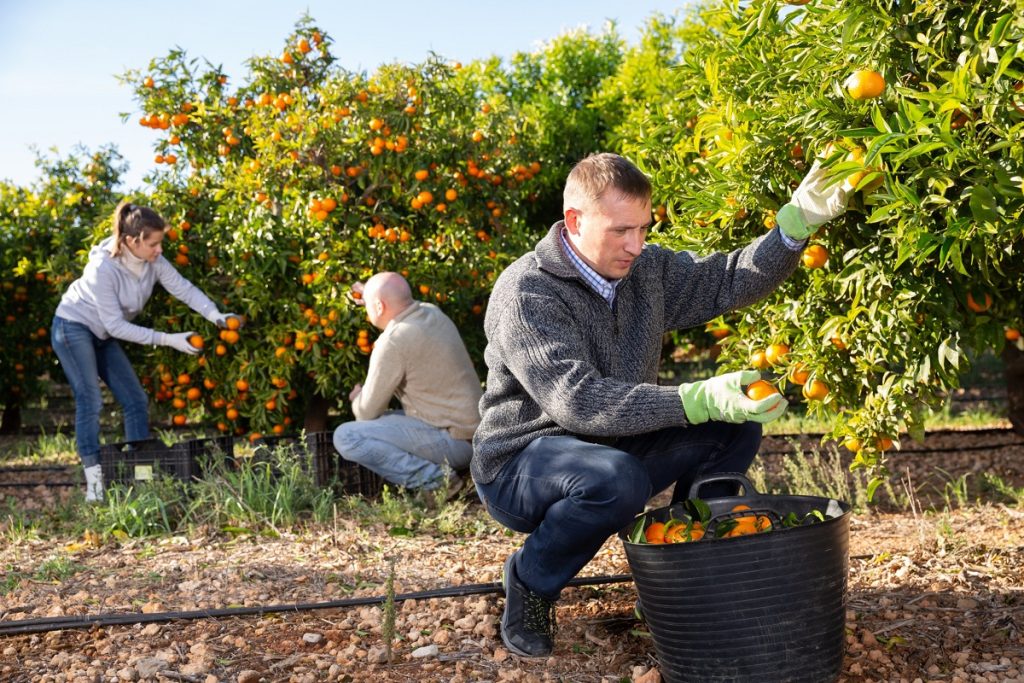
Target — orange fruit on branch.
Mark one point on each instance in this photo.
(776, 353)
(865, 84)
(815, 390)
(799, 374)
(973, 304)
(814, 256)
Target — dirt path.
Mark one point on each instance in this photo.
(933, 596)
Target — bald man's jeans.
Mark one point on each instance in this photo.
(570, 495)
(403, 449)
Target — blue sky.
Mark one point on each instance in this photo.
(61, 56)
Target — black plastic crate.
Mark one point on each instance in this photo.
(325, 464)
(127, 462)
(207, 452)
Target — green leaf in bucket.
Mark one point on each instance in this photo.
(813, 517)
(790, 520)
(724, 527)
(698, 509)
(637, 535)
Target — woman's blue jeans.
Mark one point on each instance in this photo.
(86, 359)
(570, 495)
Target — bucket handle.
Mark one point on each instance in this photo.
(736, 477)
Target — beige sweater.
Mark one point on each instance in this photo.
(420, 359)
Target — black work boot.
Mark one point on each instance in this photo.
(528, 622)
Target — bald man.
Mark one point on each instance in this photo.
(420, 359)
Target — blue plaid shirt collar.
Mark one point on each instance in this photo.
(604, 288)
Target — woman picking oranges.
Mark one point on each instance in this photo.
(95, 314)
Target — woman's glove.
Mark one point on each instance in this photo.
(721, 398)
(178, 341)
(813, 204)
(221, 319)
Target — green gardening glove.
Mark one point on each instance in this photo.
(814, 203)
(721, 398)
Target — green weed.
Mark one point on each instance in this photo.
(816, 473)
(18, 527)
(57, 569)
(388, 607)
(955, 490)
(10, 580)
(272, 490)
(992, 483)
(46, 448)
(146, 508)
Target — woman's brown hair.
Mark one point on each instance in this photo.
(132, 220)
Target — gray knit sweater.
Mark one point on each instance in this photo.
(560, 361)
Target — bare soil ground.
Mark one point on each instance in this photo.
(936, 593)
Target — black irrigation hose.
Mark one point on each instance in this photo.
(10, 628)
(925, 451)
(936, 432)
(31, 484)
(36, 468)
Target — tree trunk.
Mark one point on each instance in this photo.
(316, 414)
(11, 423)
(1014, 360)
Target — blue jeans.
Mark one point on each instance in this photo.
(402, 449)
(86, 359)
(570, 495)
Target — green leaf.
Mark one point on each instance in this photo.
(999, 30)
(873, 486)
(637, 534)
(1006, 60)
(698, 509)
(948, 354)
(916, 150)
(876, 146)
(878, 119)
(860, 132)
(983, 205)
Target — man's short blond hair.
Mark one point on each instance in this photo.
(597, 175)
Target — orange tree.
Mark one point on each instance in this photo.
(284, 191)
(630, 99)
(918, 104)
(45, 229)
(557, 88)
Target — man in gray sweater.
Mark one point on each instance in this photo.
(576, 434)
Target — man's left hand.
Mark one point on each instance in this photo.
(356, 293)
(814, 203)
(355, 392)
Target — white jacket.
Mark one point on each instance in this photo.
(108, 296)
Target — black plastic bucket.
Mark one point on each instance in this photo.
(763, 607)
